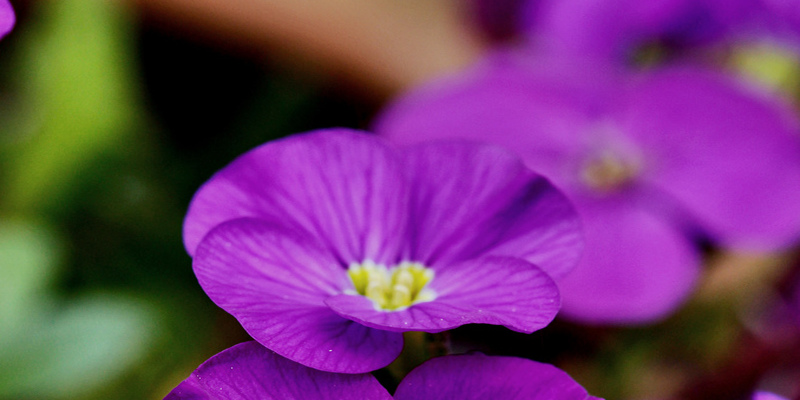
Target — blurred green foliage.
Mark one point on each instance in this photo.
(76, 86)
(107, 128)
(76, 103)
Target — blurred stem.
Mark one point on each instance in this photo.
(380, 45)
(414, 353)
(740, 281)
(418, 348)
(438, 344)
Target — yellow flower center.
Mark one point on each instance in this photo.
(392, 288)
(608, 172)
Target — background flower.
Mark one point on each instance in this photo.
(767, 396)
(248, 371)
(7, 17)
(619, 32)
(608, 31)
(652, 162)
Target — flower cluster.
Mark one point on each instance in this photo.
(767, 396)
(327, 246)
(653, 162)
(615, 32)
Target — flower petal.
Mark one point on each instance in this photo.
(274, 281)
(248, 371)
(517, 103)
(767, 396)
(345, 188)
(7, 17)
(730, 154)
(636, 268)
(612, 31)
(493, 290)
(478, 377)
(470, 200)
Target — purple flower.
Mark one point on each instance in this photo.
(767, 396)
(650, 161)
(614, 30)
(326, 246)
(248, 371)
(7, 17)
(478, 377)
(497, 18)
(611, 30)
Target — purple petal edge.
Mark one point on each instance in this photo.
(344, 187)
(248, 371)
(478, 377)
(492, 290)
(734, 166)
(274, 281)
(636, 269)
(767, 396)
(7, 18)
(474, 200)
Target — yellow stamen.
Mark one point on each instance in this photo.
(392, 288)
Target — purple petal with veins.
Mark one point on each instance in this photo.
(478, 377)
(275, 281)
(248, 371)
(345, 189)
(511, 210)
(492, 290)
(652, 162)
(325, 246)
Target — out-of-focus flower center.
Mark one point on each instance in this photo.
(771, 64)
(608, 172)
(392, 288)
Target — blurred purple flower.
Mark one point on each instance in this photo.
(326, 246)
(767, 396)
(478, 377)
(614, 30)
(651, 162)
(498, 18)
(601, 30)
(7, 18)
(248, 371)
